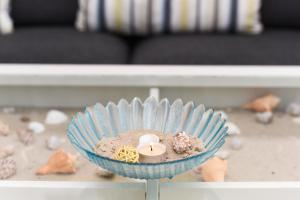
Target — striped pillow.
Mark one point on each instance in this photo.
(140, 17)
(6, 23)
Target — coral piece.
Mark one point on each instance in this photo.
(182, 143)
(25, 136)
(264, 117)
(263, 104)
(8, 168)
(53, 143)
(4, 129)
(104, 173)
(233, 129)
(56, 117)
(293, 109)
(236, 143)
(6, 151)
(127, 154)
(59, 163)
(36, 127)
(214, 170)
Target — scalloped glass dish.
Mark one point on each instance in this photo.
(86, 129)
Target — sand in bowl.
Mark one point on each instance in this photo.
(178, 146)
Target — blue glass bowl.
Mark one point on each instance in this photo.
(86, 129)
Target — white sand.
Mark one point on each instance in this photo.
(269, 153)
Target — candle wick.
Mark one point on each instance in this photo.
(151, 147)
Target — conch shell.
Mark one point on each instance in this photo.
(263, 104)
(59, 163)
(213, 170)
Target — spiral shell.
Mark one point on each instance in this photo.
(8, 168)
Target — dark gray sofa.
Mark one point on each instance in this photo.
(45, 33)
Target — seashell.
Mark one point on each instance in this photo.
(36, 127)
(25, 136)
(9, 110)
(223, 114)
(8, 168)
(7, 151)
(213, 170)
(233, 129)
(223, 154)
(264, 117)
(25, 119)
(104, 173)
(58, 163)
(236, 143)
(53, 143)
(182, 143)
(263, 104)
(293, 109)
(4, 129)
(56, 117)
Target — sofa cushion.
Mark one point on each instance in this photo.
(61, 45)
(44, 11)
(281, 13)
(274, 47)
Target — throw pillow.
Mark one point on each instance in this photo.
(138, 17)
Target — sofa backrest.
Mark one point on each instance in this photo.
(281, 13)
(44, 12)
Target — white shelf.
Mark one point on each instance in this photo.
(149, 76)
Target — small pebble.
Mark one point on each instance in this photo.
(236, 143)
(56, 117)
(9, 110)
(25, 119)
(4, 129)
(36, 127)
(104, 173)
(224, 154)
(53, 143)
(264, 117)
(293, 109)
(233, 129)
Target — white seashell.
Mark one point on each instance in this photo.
(233, 129)
(7, 151)
(56, 117)
(236, 143)
(36, 127)
(224, 154)
(264, 117)
(104, 173)
(8, 168)
(53, 143)
(296, 120)
(223, 114)
(25, 136)
(4, 129)
(9, 110)
(293, 109)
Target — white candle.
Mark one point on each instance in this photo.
(152, 153)
(148, 138)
